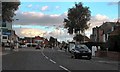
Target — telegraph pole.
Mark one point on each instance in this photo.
(0, 26)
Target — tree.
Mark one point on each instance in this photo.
(77, 20)
(78, 38)
(8, 9)
(52, 41)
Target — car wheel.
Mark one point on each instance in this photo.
(76, 57)
(72, 56)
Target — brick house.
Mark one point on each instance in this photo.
(101, 33)
(97, 35)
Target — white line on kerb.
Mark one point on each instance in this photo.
(52, 61)
(64, 68)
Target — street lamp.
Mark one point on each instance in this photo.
(30, 38)
(57, 37)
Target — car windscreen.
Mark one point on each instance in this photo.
(81, 47)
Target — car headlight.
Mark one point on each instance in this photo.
(77, 51)
(89, 51)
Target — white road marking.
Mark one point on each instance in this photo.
(64, 68)
(46, 57)
(55, 62)
(52, 61)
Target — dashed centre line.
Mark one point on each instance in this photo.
(55, 63)
(52, 61)
(64, 68)
(46, 57)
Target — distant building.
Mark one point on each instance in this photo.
(101, 33)
(116, 31)
(81, 39)
(38, 39)
(7, 34)
(97, 35)
(5, 30)
(33, 40)
(107, 27)
(86, 39)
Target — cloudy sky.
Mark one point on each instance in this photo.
(46, 18)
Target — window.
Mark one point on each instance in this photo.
(4, 37)
(3, 24)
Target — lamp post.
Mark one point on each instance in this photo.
(30, 39)
(0, 26)
(57, 37)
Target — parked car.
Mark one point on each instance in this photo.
(22, 46)
(38, 46)
(81, 51)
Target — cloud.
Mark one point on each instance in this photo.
(30, 5)
(100, 17)
(38, 18)
(28, 32)
(57, 7)
(54, 15)
(60, 33)
(98, 20)
(54, 20)
(113, 3)
(44, 8)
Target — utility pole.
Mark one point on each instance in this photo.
(0, 26)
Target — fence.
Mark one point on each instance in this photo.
(110, 54)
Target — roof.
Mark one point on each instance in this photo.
(39, 38)
(87, 39)
(116, 31)
(107, 26)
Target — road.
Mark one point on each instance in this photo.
(52, 59)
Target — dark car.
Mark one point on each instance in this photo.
(38, 46)
(81, 51)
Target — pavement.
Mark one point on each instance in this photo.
(6, 51)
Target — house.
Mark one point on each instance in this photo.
(86, 39)
(101, 33)
(96, 35)
(116, 29)
(38, 39)
(81, 38)
(5, 30)
(107, 27)
(33, 40)
(114, 40)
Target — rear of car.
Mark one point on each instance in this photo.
(38, 46)
(81, 51)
